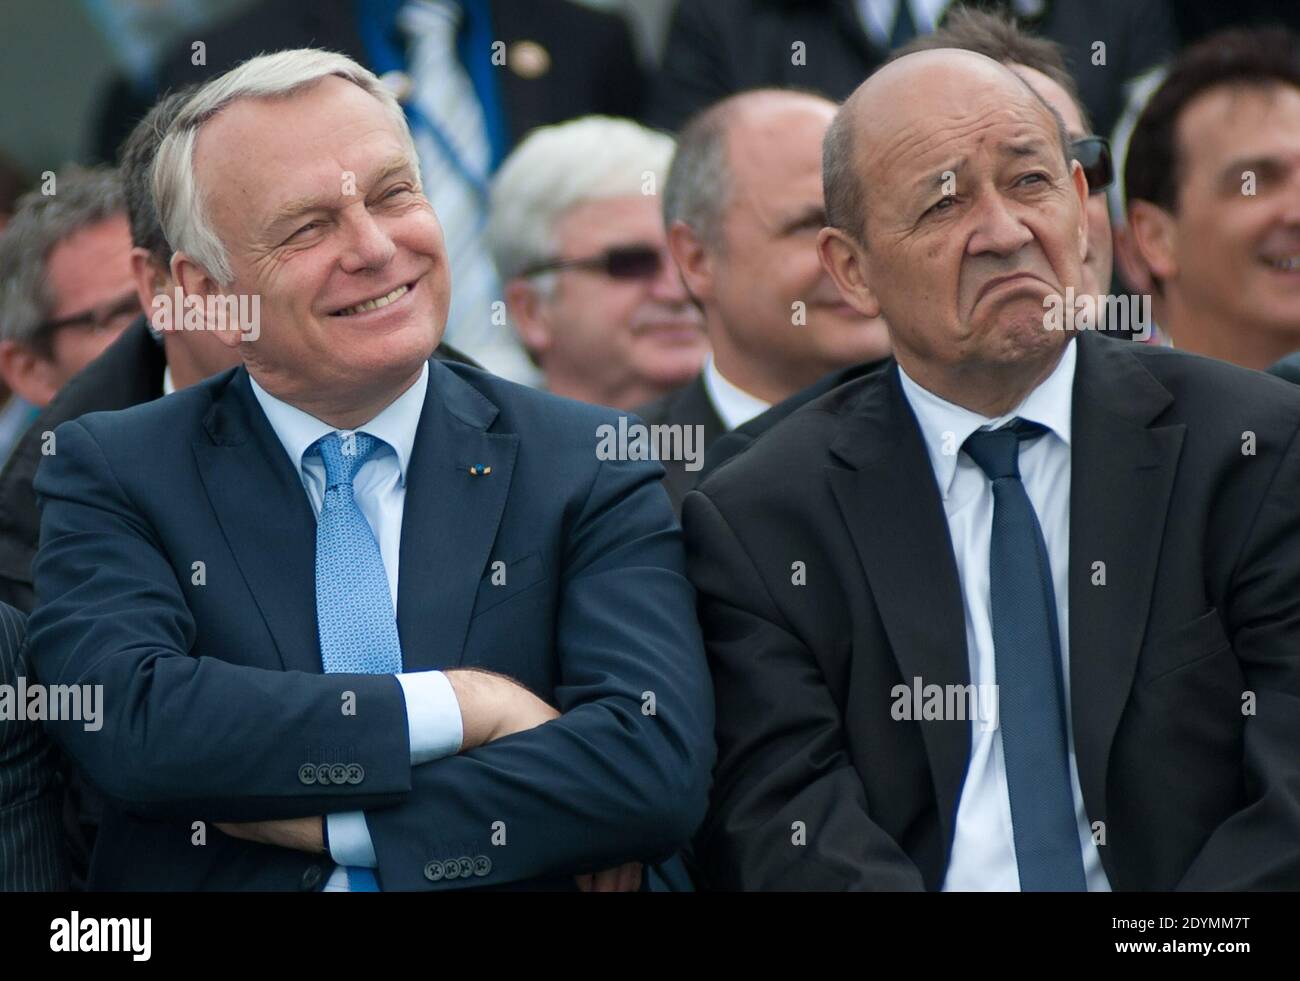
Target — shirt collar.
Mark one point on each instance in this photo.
(396, 425)
(734, 406)
(945, 425)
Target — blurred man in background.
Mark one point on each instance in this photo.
(743, 206)
(1212, 178)
(578, 237)
(65, 280)
(139, 366)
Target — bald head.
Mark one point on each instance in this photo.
(722, 139)
(880, 115)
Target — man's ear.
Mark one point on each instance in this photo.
(1155, 238)
(1080, 182)
(844, 260)
(195, 281)
(525, 304)
(693, 260)
(28, 375)
(150, 279)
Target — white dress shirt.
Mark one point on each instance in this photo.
(379, 487)
(983, 850)
(734, 406)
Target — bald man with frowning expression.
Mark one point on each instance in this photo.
(943, 641)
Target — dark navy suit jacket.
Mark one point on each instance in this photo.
(215, 705)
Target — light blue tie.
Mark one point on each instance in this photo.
(354, 607)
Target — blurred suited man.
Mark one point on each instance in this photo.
(343, 647)
(1212, 179)
(743, 206)
(941, 635)
(1039, 62)
(65, 281)
(577, 234)
(31, 843)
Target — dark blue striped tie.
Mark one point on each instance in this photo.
(1027, 658)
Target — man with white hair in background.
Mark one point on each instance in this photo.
(350, 606)
(577, 234)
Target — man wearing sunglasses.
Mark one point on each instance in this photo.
(578, 240)
(66, 290)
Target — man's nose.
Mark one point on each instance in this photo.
(367, 246)
(997, 228)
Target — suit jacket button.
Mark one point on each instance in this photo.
(338, 774)
(466, 866)
(451, 869)
(310, 878)
(307, 774)
(433, 871)
(323, 774)
(482, 865)
(356, 773)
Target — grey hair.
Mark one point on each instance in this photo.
(82, 197)
(180, 202)
(558, 168)
(699, 182)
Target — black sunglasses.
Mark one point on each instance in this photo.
(623, 262)
(1093, 154)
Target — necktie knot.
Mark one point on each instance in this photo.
(997, 451)
(343, 454)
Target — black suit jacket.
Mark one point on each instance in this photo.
(718, 47)
(1184, 665)
(593, 64)
(739, 439)
(688, 406)
(31, 844)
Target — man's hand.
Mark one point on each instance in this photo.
(301, 834)
(625, 878)
(493, 706)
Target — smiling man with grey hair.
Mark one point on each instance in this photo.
(963, 521)
(578, 238)
(350, 605)
(65, 280)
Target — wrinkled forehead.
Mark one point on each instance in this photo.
(945, 121)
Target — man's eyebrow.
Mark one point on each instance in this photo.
(1261, 163)
(297, 207)
(813, 214)
(1025, 148)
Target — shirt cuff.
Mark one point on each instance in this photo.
(432, 716)
(350, 842)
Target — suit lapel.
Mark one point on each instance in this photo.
(259, 501)
(891, 505)
(450, 518)
(1122, 475)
